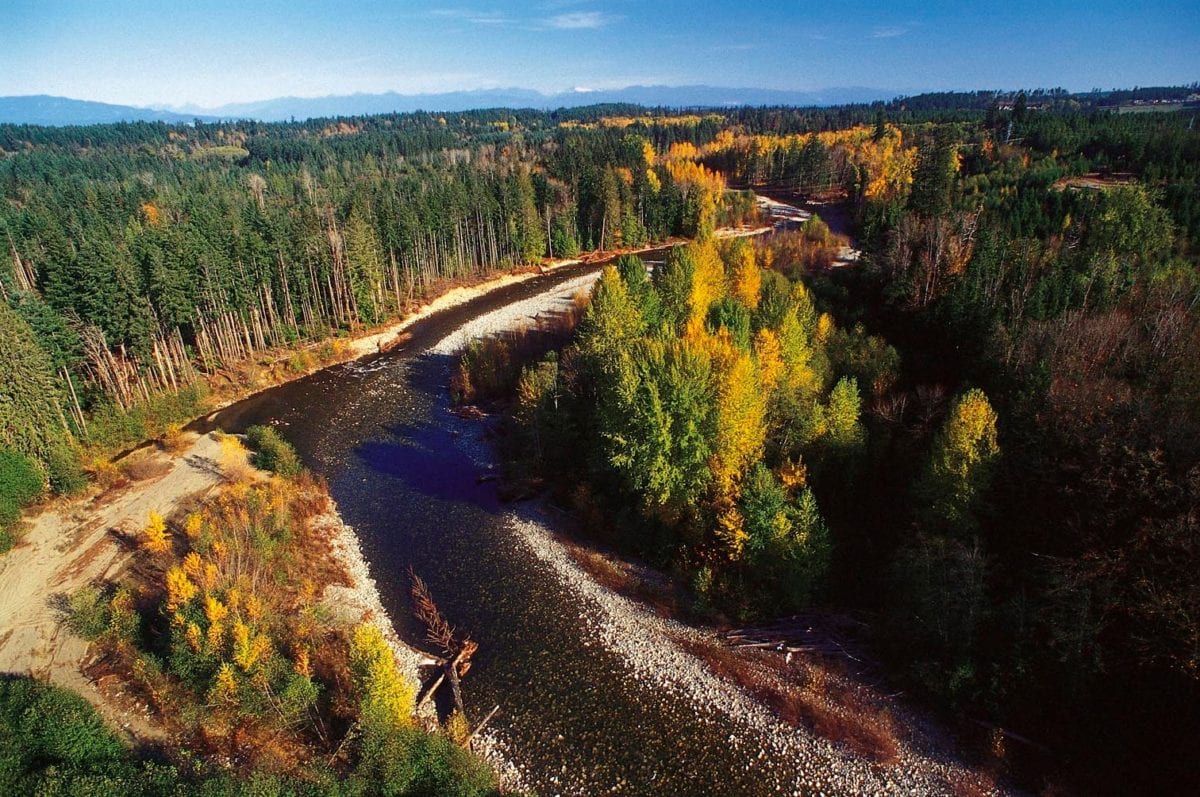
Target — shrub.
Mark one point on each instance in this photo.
(487, 370)
(64, 469)
(173, 438)
(20, 483)
(53, 743)
(42, 725)
(301, 362)
(110, 429)
(272, 452)
(407, 761)
(106, 474)
(87, 613)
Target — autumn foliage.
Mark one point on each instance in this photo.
(699, 396)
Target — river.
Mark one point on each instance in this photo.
(578, 714)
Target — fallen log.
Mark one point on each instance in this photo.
(442, 634)
(481, 726)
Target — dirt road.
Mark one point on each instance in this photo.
(74, 544)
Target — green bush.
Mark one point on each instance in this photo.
(272, 452)
(406, 762)
(20, 483)
(51, 736)
(87, 613)
(110, 429)
(66, 475)
(487, 370)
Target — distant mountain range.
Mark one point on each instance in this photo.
(42, 109)
(46, 110)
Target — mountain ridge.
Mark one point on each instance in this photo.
(62, 111)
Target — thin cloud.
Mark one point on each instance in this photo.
(889, 32)
(581, 20)
(473, 17)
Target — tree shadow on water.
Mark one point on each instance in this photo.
(426, 458)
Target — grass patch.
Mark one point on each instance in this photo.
(111, 430)
(20, 484)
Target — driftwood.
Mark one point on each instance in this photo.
(458, 651)
(483, 724)
(821, 633)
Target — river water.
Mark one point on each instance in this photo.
(575, 717)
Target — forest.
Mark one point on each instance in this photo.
(141, 259)
(983, 434)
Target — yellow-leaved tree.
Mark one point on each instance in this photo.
(155, 537)
(741, 415)
(960, 465)
(386, 695)
(707, 285)
(745, 279)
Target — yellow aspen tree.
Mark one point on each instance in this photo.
(155, 537)
(180, 589)
(224, 688)
(960, 464)
(745, 281)
(708, 284)
(741, 416)
(249, 647)
(214, 611)
(254, 608)
(214, 638)
(194, 637)
(387, 697)
(193, 565)
(731, 532)
(769, 356)
(825, 328)
(210, 576)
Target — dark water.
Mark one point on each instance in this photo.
(573, 715)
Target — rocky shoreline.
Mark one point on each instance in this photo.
(361, 601)
(646, 642)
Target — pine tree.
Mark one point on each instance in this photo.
(31, 420)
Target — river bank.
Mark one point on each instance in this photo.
(598, 695)
(94, 541)
(391, 334)
(667, 655)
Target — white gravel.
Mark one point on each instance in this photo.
(802, 763)
(512, 316)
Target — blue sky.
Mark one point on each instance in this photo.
(209, 52)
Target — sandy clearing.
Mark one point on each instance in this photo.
(87, 541)
(74, 544)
